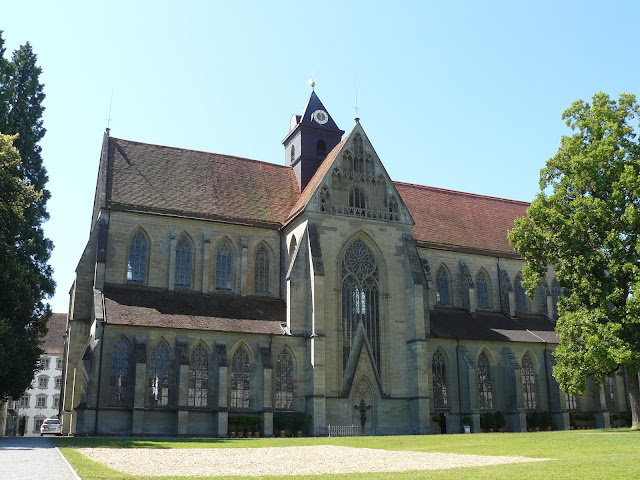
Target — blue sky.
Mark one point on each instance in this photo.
(462, 95)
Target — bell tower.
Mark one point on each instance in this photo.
(312, 135)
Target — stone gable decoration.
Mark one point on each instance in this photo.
(315, 274)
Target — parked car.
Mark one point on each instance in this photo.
(51, 425)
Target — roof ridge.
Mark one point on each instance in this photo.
(460, 192)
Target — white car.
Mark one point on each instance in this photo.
(51, 425)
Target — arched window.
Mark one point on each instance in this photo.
(321, 148)
(522, 301)
(610, 392)
(118, 379)
(571, 402)
(484, 382)
(293, 153)
(393, 209)
(357, 202)
(358, 145)
(199, 377)
(556, 293)
(360, 299)
(137, 264)
(159, 376)
(284, 382)
(325, 197)
(439, 376)
(528, 383)
(184, 248)
(262, 270)
(482, 290)
(240, 379)
(442, 286)
(224, 262)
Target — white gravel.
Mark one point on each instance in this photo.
(202, 462)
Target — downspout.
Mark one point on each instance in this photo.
(100, 364)
(458, 378)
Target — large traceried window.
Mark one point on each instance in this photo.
(240, 379)
(610, 392)
(485, 392)
(159, 376)
(224, 263)
(528, 383)
(571, 401)
(482, 290)
(137, 263)
(360, 299)
(118, 380)
(522, 301)
(262, 270)
(442, 286)
(556, 293)
(184, 249)
(357, 202)
(439, 374)
(199, 377)
(284, 382)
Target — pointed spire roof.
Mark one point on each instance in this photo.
(306, 118)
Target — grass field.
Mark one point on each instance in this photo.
(590, 454)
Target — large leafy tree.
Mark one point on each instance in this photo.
(586, 223)
(25, 276)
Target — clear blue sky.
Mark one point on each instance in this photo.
(464, 95)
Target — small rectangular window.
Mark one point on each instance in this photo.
(58, 383)
(59, 364)
(43, 382)
(41, 402)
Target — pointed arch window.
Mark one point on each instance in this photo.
(522, 301)
(482, 290)
(159, 376)
(358, 145)
(240, 379)
(325, 197)
(119, 377)
(556, 293)
(394, 209)
(528, 383)
(571, 402)
(360, 299)
(321, 148)
(357, 202)
(293, 153)
(199, 377)
(485, 393)
(284, 382)
(137, 263)
(442, 286)
(224, 262)
(184, 249)
(439, 375)
(610, 392)
(262, 270)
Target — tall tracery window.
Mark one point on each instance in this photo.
(284, 382)
(357, 201)
(482, 290)
(485, 392)
(610, 392)
(442, 286)
(159, 376)
(360, 299)
(199, 377)
(293, 153)
(240, 379)
(556, 293)
(137, 264)
(571, 401)
(184, 247)
(262, 270)
(439, 375)
(522, 301)
(321, 148)
(118, 380)
(358, 145)
(528, 383)
(224, 263)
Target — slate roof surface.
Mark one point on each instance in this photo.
(186, 309)
(54, 339)
(450, 322)
(460, 221)
(198, 184)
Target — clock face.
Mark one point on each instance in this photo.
(320, 116)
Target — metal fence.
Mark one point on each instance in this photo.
(344, 431)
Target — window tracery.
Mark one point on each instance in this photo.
(439, 375)
(485, 393)
(159, 376)
(528, 383)
(482, 290)
(136, 265)
(556, 293)
(442, 286)
(240, 379)
(224, 262)
(199, 377)
(284, 381)
(262, 270)
(610, 392)
(184, 248)
(522, 301)
(357, 202)
(118, 379)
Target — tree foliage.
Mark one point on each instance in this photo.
(586, 223)
(25, 276)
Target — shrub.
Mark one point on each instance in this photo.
(490, 420)
(436, 418)
(283, 420)
(466, 420)
(533, 420)
(546, 420)
(500, 420)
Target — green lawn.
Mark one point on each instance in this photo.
(590, 454)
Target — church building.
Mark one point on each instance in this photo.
(213, 286)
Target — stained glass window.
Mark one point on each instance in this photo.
(360, 298)
(482, 290)
(224, 262)
(159, 376)
(610, 392)
(240, 379)
(571, 401)
(262, 270)
(199, 377)
(484, 382)
(137, 264)
(184, 248)
(522, 302)
(118, 379)
(528, 383)
(284, 382)
(442, 286)
(439, 375)
(556, 293)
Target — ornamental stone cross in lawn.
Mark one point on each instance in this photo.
(362, 408)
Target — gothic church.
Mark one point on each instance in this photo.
(213, 285)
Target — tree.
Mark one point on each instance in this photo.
(585, 221)
(25, 276)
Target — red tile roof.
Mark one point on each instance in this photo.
(196, 184)
(461, 221)
(54, 339)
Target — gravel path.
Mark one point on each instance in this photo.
(202, 462)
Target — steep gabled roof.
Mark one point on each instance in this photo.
(461, 221)
(53, 342)
(176, 181)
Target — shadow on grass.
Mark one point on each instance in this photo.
(138, 442)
